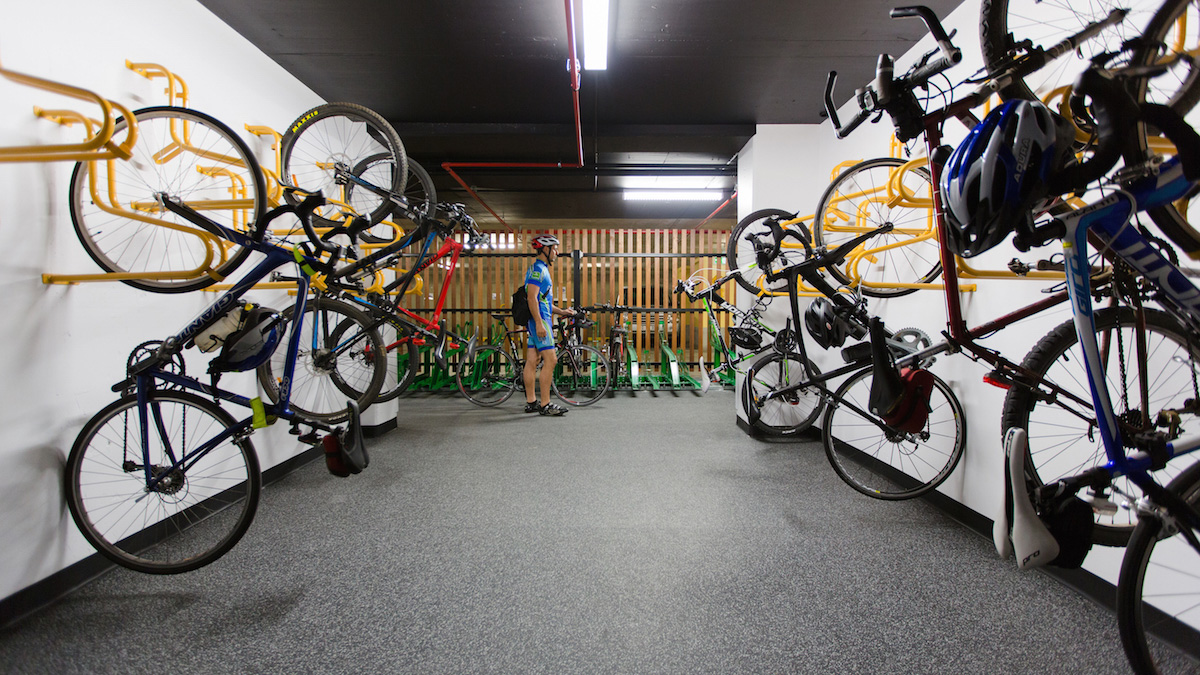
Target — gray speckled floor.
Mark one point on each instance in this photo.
(646, 534)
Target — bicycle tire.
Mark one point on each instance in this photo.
(340, 357)
(739, 251)
(1003, 23)
(419, 192)
(192, 517)
(781, 416)
(1162, 569)
(884, 463)
(403, 360)
(581, 375)
(340, 133)
(1062, 445)
(490, 377)
(860, 195)
(191, 157)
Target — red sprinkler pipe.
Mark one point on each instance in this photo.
(573, 66)
(718, 210)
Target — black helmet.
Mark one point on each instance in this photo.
(252, 343)
(824, 325)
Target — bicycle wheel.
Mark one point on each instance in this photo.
(860, 200)
(341, 357)
(489, 378)
(581, 375)
(887, 464)
(788, 414)
(184, 155)
(419, 192)
(1061, 443)
(1159, 584)
(194, 515)
(403, 359)
(739, 250)
(344, 134)
(1004, 23)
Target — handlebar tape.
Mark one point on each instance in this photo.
(1114, 110)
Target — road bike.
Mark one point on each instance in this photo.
(165, 480)
(490, 374)
(786, 392)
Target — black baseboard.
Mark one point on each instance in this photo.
(50, 589)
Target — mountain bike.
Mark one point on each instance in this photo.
(1160, 574)
(1046, 392)
(490, 374)
(164, 480)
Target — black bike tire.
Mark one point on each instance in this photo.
(1020, 403)
(739, 256)
(821, 240)
(135, 559)
(372, 352)
(1134, 617)
(575, 354)
(419, 192)
(916, 485)
(406, 369)
(96, 228)
(498, 394)
(305, 127)
(775, 425)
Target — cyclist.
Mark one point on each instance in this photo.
(539, 290)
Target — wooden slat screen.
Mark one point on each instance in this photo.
(636, 268)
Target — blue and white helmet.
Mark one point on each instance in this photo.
(997, 176)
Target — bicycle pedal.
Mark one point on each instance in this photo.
(310, 438)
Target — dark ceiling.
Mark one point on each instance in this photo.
(470, 81)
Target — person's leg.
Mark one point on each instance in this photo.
(529, 374)
(549, 357)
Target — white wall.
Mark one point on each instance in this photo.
(64, 346)
(789, 167)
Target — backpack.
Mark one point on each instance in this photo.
(520, 306)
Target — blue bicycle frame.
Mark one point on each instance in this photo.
(145, 380)
(1111, 220)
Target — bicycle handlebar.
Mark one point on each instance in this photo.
(894, 95)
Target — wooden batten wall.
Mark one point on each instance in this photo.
(634, 268)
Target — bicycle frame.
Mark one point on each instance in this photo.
(1110, 220)
(151, 371)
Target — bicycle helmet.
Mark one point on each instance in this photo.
(824, 325)
(251, 344)
(544, 241)
(996, 178)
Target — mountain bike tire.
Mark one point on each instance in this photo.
(1061, 444)
(345, 134)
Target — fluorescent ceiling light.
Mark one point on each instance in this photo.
(675, 195)
(595, 34)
